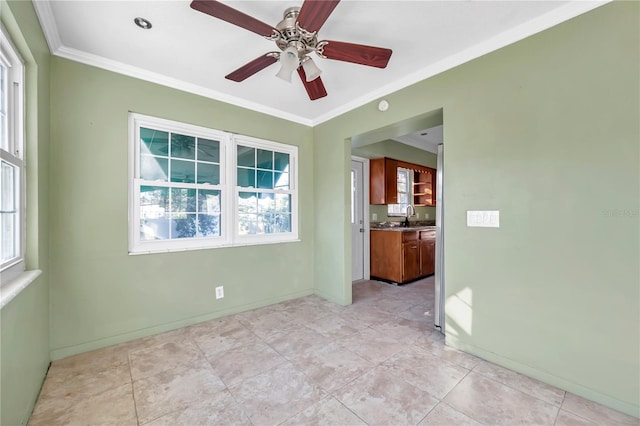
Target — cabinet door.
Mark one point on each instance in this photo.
(427, 257)
(411, 261)
(383, 184)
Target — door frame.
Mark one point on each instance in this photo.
(365, 210)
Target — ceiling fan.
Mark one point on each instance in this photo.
(296, 36)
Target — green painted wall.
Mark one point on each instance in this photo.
(100, 295)
(398, 151)
(24, 322)
(546, 131)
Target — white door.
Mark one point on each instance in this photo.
(357, 221)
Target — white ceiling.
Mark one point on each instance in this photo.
(427, 139)
(191, 51)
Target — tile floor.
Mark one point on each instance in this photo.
(306, 362)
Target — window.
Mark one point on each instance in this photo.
(405, 185)
(196, 188)
(12, 176)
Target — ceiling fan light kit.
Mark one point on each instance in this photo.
(296, 36)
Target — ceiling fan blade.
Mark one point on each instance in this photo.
(315, 88)
(357, 53)
(252, 67)
(314, 13)
(233, 16)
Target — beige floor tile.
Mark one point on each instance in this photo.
(566, 418)
(217, 409)
(334, 326)
(243, 362)
(214, 326)
(403, 329)
(225, 338)
(366, 315)
(372, 345)
(444, 415)
(327, 412)
(269, 324)
(332, 366)
(488, 401)
(174, 390)
(418, 313)
(379, 398)
(306, 313)
(522, 383)
(156, 359)
(425, 371)
(94, 361)
(275, 396)
(596, 412)
(62, 386)
(433, 342)
(296, 341)
(112, 407)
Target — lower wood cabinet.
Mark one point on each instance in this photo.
(402, 256)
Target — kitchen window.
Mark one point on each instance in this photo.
(196, 188)
(405, 193)
(12, 175)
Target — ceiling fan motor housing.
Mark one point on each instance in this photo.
(290, 34)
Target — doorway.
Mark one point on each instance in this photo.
(359, 219)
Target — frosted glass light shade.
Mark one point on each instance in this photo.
(288, 63)
(311, 70)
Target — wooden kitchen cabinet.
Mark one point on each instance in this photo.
(427, 252)
(397, 256)
(424, 186)
(383, 181)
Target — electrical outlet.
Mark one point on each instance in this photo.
(426, 215)
(374, 216)
(417, 215)
(219, 292)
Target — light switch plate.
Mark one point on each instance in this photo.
(374, 216)
(483, 218)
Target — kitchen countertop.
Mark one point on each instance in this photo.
(397, 226)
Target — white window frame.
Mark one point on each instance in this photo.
(293, 191)
(14, 154)
(229, 223)
(401, 208)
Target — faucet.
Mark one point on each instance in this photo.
(406, 219)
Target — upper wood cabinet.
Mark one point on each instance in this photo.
(383, 182)
(424, 187)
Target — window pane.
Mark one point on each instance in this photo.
(183, 200)
(282, 223)
(265, 179)
(9, 232)
(247, 178)
(209, 201)
(8, 195)
(183, 225)
(208, 150)
(246, 156)
(183, 171)
(281, 161)
(209, 225)
(183, 146)
(281, 180)
(247, 224)
(154, 168)
(247, 202)
(209, 173)
(266, 203)
(154, 142)
(4, 136)
(265, 159)
(154, 213)
(283, 203)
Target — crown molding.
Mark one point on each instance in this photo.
(529, 28)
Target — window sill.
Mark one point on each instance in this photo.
(137, 252)
(11, 289)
